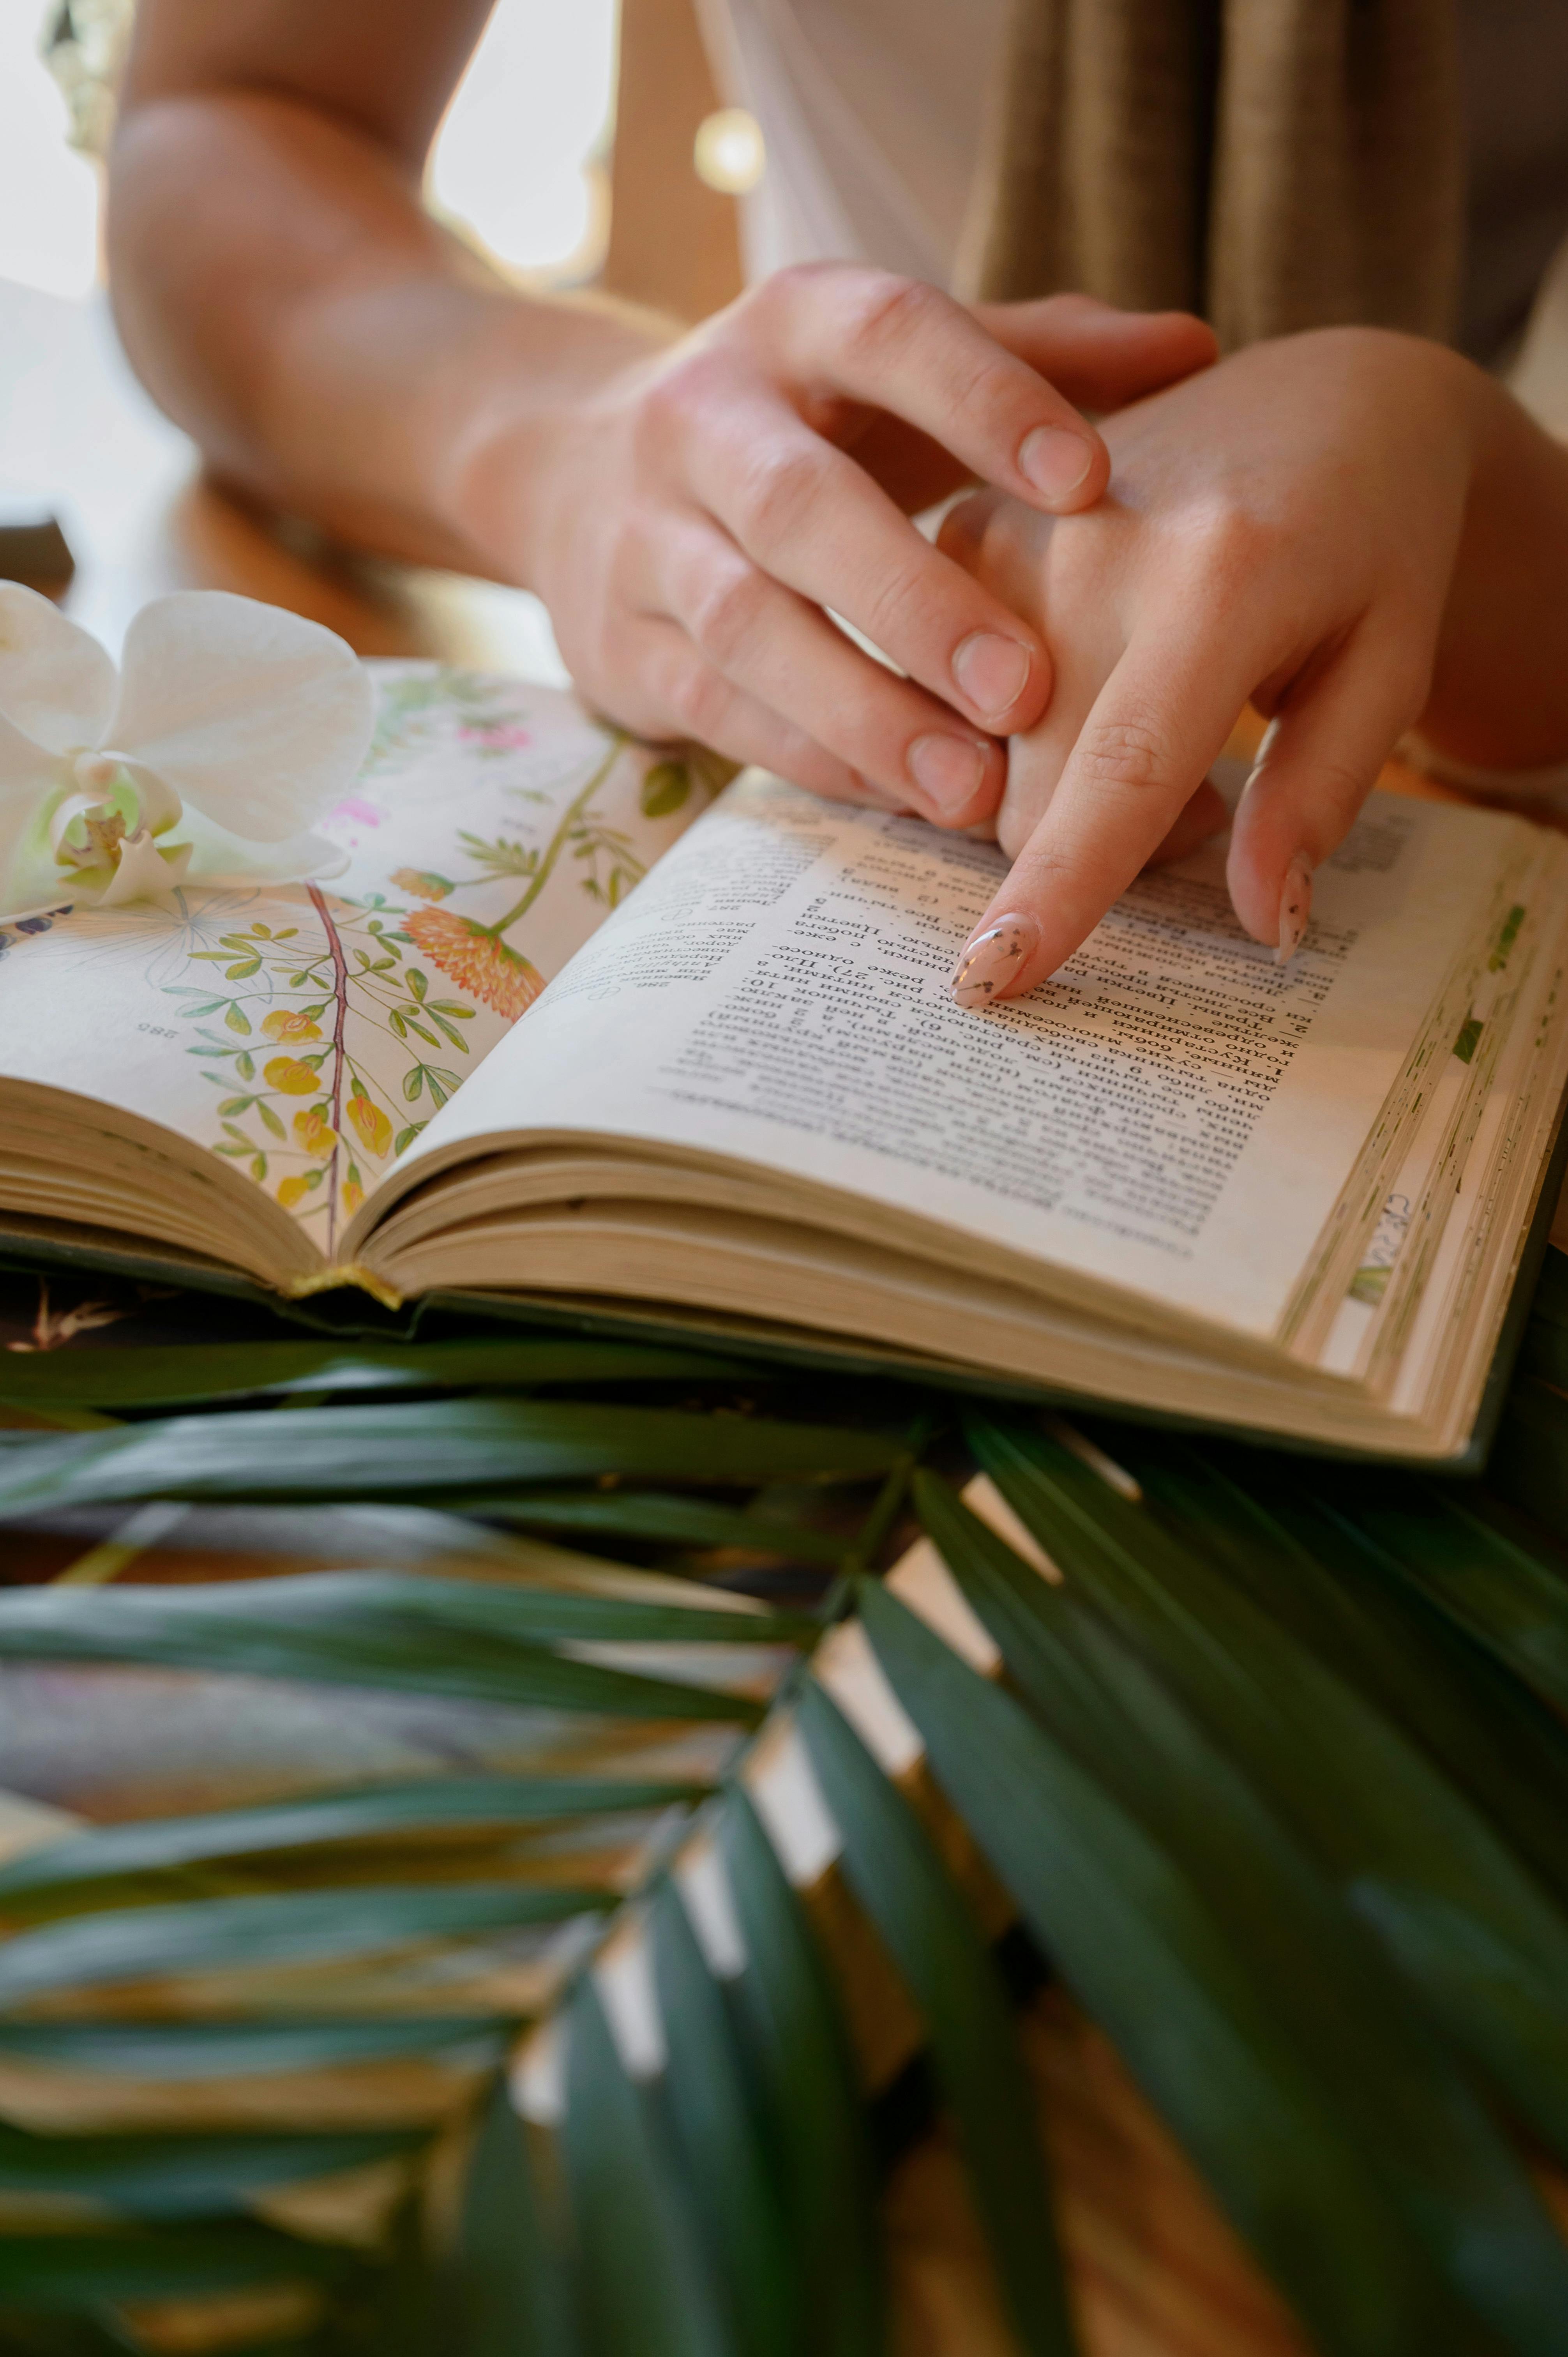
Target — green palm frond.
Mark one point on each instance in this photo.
(174, 2177)
(375, 1812)
(419, 1451)
(166, 1375)
(807, 2093)
(1268, 1766)
(894, 1870)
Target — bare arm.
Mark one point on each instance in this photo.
(687, 506)
(279, 286)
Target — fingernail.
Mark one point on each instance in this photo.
(993, 672)
(1055, 461)
(1295, 907)
(992, 958)
(948, 770)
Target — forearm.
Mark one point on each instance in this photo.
(285, 296)
(1500, 683)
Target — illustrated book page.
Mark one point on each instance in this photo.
(306, 1034)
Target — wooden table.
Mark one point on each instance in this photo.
(75, 426)
(1156, 2272)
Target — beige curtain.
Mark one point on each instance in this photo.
(1274, 164)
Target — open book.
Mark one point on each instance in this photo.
(1178, 1177)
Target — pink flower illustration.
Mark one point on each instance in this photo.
(496, 736)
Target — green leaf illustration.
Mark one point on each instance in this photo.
(665, 788)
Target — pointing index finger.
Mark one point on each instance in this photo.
(1157, 727)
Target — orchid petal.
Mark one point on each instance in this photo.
(57, 685)
(257, 717)
(219, 858)
(28, 776)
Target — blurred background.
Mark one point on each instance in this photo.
(534, 163)
(519, 162)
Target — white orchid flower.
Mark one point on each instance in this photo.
(230, 730)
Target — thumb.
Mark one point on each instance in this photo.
(1098, 357)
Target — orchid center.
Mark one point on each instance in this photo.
(103, 809)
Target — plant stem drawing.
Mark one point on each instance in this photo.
(477, 957)
(365, 982)
(340, 1017)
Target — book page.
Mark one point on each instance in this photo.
(309, 1032)
(1173, 1113)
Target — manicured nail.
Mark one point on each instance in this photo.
(948, 770)
(1295, 907)
(993, 672)
(1055, 461)
(992, 958)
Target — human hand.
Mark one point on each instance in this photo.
(687, 524)
(1285, 529)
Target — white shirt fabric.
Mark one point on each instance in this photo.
(871, 113)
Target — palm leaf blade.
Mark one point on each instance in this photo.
(420, 1449)
(156, 1844)
(808, 2076)
(1322, 1567)
(1507, 1598)
(720, 2145)
(661, 1514)
(185, 2052)
(1138, 1945)
(1392, 2091)
(140, 1942)
(174, 1374)
(391, 1630)
(176, 2176)
(513, 2288)
(1474, 1931)
(895, 1873)
(645, 2286)
(85, 2272)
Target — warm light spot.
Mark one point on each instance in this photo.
(519, 161)
(728, 154)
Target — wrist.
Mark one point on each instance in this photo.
(499, 468)
(1500, 698)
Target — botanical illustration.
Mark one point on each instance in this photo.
(493, 827)
(309, 1106)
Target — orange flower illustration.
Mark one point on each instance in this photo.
(293, 1192)
(288, 1023)
(423, 882)
(317, 1136)
(295, 1079)
(372, 1123)
(476, 960)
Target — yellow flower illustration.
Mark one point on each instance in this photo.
(295, 1079)
(353, 1196)
(288, 1023)
(476, 960)
(371, 1122)
(292, 1191)
(317, 1136)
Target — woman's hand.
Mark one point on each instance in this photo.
(688, 523)
(1353, 530)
